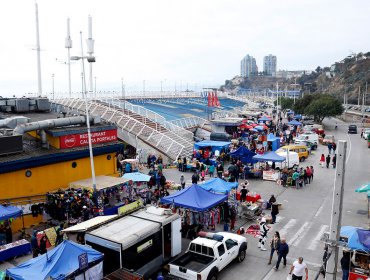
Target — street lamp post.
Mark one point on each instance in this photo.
(95, 86)
(84, 95)
(123, 92)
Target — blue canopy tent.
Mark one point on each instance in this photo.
(298, 117)
(264, 119)
(294, 122)
(194, 197)
(245, 155)
(215, 145)
(269, 156)
(275, 141)
(58, 263)
(7, 212)
(356, 238)
(136, 177)
(218, 185)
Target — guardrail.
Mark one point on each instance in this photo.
(149, 135)
(151, 115)
(190, 122)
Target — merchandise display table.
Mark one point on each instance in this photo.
(15, 249)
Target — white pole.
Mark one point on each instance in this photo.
(68, 45)
(38, 51)
(277, 102)
(336, 211)
(52, 81)
(88, 120)
(90, 52)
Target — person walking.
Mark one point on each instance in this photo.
(220, 170)
(334, 161)
(211, 170)
(345, 263)
(330, 147)
(34, 244)
(322, 160)
(195, 178)
(327, 161)
(298, 269)
(43, 245)
(312, 171)
(243, 194)
(184, 164)
(274, 212)
(275, 243)
(295, 178)
(334, 147)
(182, 181)
(308, 174)
(283, 251)
(263, 234)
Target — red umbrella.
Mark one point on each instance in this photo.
(254, 124)
(244, 121)
(265, 127)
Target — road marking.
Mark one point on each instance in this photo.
(318, 212)
(288, 225)
(314, 244)
(268, 275)
(349, 148)
(300, 234)
(279, 218)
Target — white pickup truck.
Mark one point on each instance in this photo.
(207, 256)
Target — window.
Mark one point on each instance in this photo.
(210, 252)
(74, 164)
(221, 250)
(230, 243)
(302, 150)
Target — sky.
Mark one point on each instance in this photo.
(183, 44)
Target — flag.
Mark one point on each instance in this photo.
(213, 99)
(217, 101)
(209, 100)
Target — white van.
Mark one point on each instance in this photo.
(293, 160)
(307, 137)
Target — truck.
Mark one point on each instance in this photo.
(207, 255)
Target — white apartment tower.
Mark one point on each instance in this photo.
(248, 66)
(269, 65)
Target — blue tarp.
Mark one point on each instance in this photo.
(298, 117)
(294, 122)
(274, 140)
(358, 238)
(269, 156)
(194, 197)
(7, 212)
(215, 145)
(136, 177)
(218, 185)
(245, 155)
(57, 263)
(264, 119)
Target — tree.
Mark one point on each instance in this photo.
(324, 106)
(285, 103)
(302, 103)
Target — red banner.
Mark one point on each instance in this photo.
(80, 140)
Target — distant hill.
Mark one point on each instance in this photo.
(348, 75)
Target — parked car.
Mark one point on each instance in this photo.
(352, 129)
(328, 139)
(366, 133)
(207, 256)
(220, 136)
(307, 137)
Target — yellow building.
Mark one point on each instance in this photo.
(26, 177)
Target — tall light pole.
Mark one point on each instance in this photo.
(38, 51)
(123, 92)
(84, 93)
(144, 88)
(68, 45)
(95, 86)
(90, 51)
(52, 84)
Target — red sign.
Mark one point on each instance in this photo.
(80, 140)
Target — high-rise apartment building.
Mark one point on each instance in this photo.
(248, 66)
(269, 65)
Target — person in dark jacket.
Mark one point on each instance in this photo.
(8, 234)
(34, 244)
(334, 161)
(283, 251)
(195, 178)
(274, 211)
(43, 245)
(346, 263)
(327, 161)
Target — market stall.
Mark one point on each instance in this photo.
(362, 189)
(210, 150)
(271, 174)
(273, 142)
(15, 249)
(245, 155)
(62, 261)
(294, 122)
(199, 208)
(357, 240)
(218, 185)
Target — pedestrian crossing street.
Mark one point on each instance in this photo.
(301, 234)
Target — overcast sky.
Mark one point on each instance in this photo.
(194, 42)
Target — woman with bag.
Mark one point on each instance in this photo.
(275, 243)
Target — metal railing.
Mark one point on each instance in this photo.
(190, 122)
(149, 114)
(172, 148)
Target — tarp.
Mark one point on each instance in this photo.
(275, 141)
(298, 117)
(136, 177)
(294, 122)
(7, 212)
(194, 197)
(57, 263)
(245, 155)
(363, 188)
(358, 238)
(264, 119)
(269, 156)
(102, 182)
(218, 185)
(209, 143)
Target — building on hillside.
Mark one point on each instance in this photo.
(248, 66)
(48, 153)
(292, 74)
(269, 65)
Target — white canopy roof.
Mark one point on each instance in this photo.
(84, 226)
(102, 182)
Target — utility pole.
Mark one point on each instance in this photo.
(277, 102)
(52, 82)
(38, 51)
(359, 94)
(68, 45)
(336, 212)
